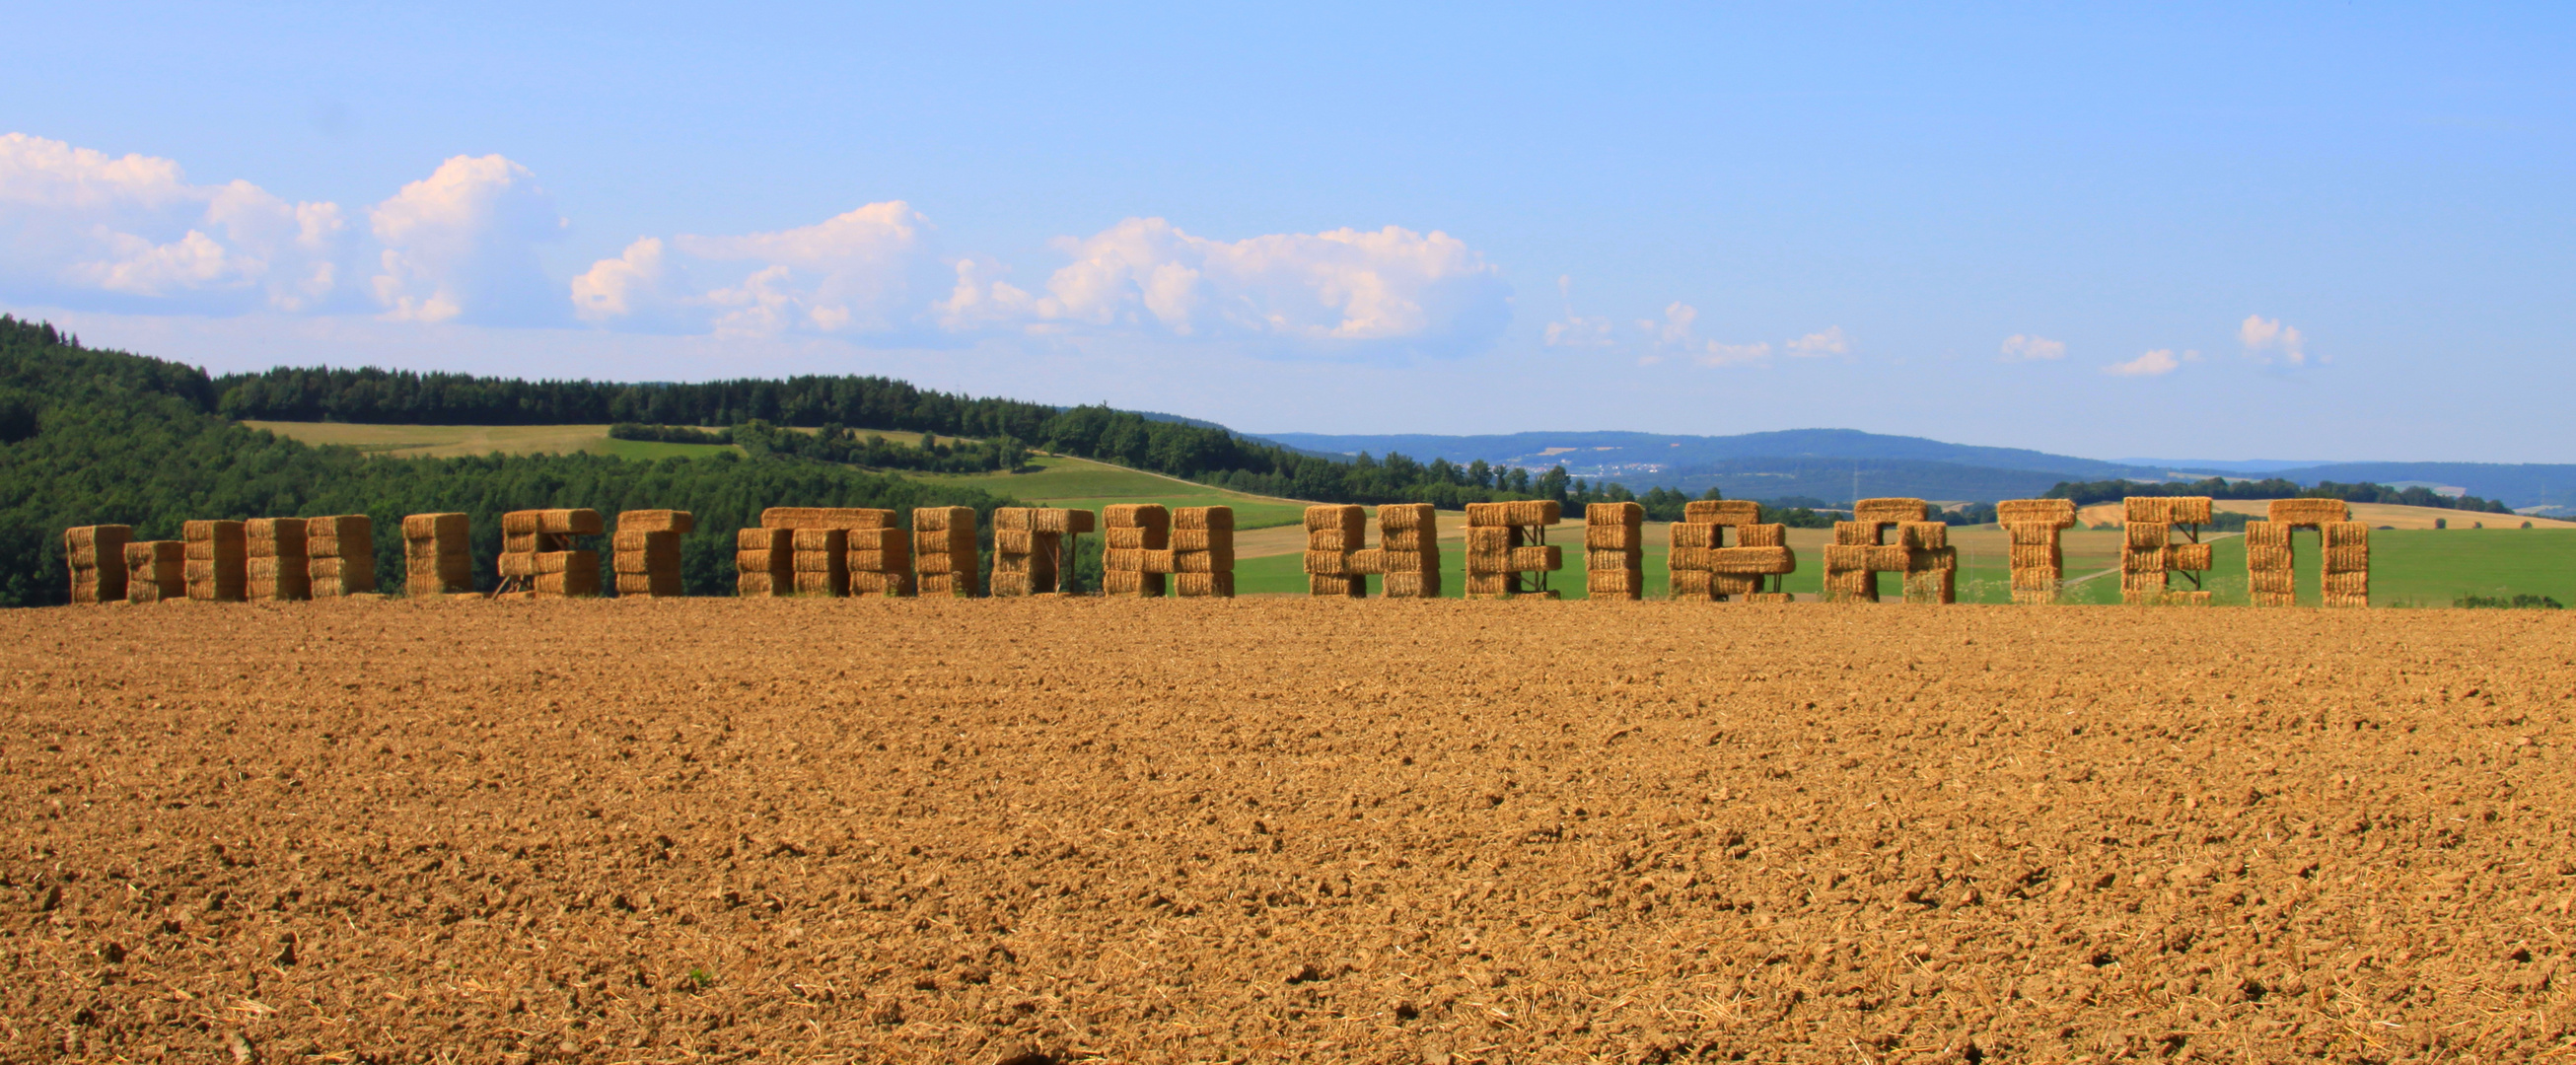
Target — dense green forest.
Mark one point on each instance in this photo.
(2086, 492)
(97, 437)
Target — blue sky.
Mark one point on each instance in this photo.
(2308, 231)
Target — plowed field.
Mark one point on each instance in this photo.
(1284, 829)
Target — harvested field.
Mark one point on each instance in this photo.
(1317, 830)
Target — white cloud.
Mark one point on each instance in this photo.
(855, 273)
(1716, 354)
(461, 243)
(2264, 337)
(2020, 348)
(1335, 290)
(2155, 363)
(86, 227)
(1817, 345)
(1578, 331)
(1677, 332)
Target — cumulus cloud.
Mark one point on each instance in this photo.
(2020, 348)
(1677, 331)
(460, 244)
(85, 227)
(863, 272)
(2263, 339)
(1344, 289)
(1578, 331)
(2156, 363)
(1818, 345)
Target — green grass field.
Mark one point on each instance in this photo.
(450, 441)
(1081, 484)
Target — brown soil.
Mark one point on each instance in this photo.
(1284, 829)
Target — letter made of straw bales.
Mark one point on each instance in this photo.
(881, 563)
(1706, 567)
(218, 560)
(1406, 559)
(156, 571)
(820, 544)
(540, 550)
(1891, 536)
(645, 552)
(2031, 528)
(1614, 551)
(1506, 540)
(276, 570)
(438, 558)
(2151, 550)
(1134, 534)
(96, 555)
(764, 562)
(943, 550)
(1202, 556)
(1028, 548)
(2268, 561)
(1336, 535)
(340, 555)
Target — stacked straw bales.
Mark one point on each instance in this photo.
(156, 571)
(1029, 548)
(1614, 551)
(2150, 552)
(1705, 566)
(275, 570)
(340, 555)
(1891, 536)
(1506, 540)
(645, 552)
(1134, 535)
(96, 554)
(1406, 560)
(437, 555)
(217, 568)
(1202, 552)
(541, 552)
(2032, 527)
(819, 543)
(2268, 561)
(1336, 535)
(943, 550)
(880, 561)
(764, 562)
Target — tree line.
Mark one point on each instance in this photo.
(2087, 492)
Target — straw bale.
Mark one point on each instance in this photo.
(959, 540)
(1202, 540)
(1129, 583)
(1416, 539)
(2189, 510)
(522, 543)
(876, 539)
(834, 517)
(2037, 577)
(1203, 585)
(1932, 587)
(2309, 511)
(2143, 535)
(1365, 563)
(1340, 587)
(1690, 534)
(2056, 513)
(2031, 533)
(569, 584)
(764, 540)
(1858, 585)
(1022, 564)
(756, 561)
(1930, 559)
(942, 562)
(1479, 515)
(878, 562)
(1204, 561)
(521, 523)
(1410, 584)
(1406, 517)
(1161, 562)
(942, 519)
(153, 571)
(1151, 516)
(1491, 539)
(2351, 583)
(1629, 514)
(2142, 560)
(1015, 519)
(2274, 580)
(331, 578)
(1601, 561)
(2266, 559)
(2147, 510)
(1770, 597)
(834, 541)
(573, 521)
(1408, 561)
(440, 574)
(2154, 580)
(1136, 539)
(1332, 563)
(836, 563)
(1847, 558)
(1691, 584)
(2029, 556)
(1721, 512)
(1688, 558)
(1855, 534)
(2188, 558)
(96, 543)
(436, 526)
(1057, 520)
(340, 535)
(1017, 541)
(1890, 511)
(1768, 534)
(1889, 558)
(1081, 521)
(1132, 559)
(2354, 559)
(649, 585)
(2336, 534)
(2035, 596)
(1753, 560)
(1489, 585)
(1735, 585)
(626, 540)
(960, 584)
(1924, 535)
(889, 584)
(1614, 584)
(1212, 518)
(644, 561)
(1613, 537)
(2267, 534)
(212, 532)
(1547, 557)
(1533, 512)
(1013, 584)
(819, 583)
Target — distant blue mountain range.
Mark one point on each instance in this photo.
(1822, 463)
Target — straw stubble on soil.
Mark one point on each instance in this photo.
(1381, 831)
